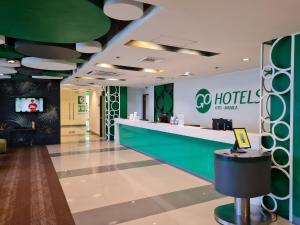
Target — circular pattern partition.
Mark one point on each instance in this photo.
(112, 109)
(277, 80)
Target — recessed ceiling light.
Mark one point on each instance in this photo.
(186, 74)
(155, 46)
(112, 79)
(88, 78)
(145, 44)
(1, 74)
(105, 65)
(246, 59)
(11, 61)
(147, 70)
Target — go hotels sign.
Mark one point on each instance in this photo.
(228, 100)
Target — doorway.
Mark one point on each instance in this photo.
(80, 114)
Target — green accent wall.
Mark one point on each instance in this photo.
(163, 100)
(296, 139)
(281, 57)
(123, 102)
(193, 155)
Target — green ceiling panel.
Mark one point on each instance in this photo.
(53, 21)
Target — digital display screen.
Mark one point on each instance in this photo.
(242, 138)
(30, 105)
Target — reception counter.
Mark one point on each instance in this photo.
(186, 147)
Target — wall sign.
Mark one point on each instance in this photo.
(230, 96)
(227, 100)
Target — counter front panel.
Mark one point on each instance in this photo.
(194, 155)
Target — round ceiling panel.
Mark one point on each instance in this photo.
(55, 21)
(123, 9)
(48, 64)
(45, 51)
(5, 70)
(89, 47)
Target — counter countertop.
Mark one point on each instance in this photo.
(190, 131)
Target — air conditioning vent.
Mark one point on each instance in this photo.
(103, 73)
(150, 59)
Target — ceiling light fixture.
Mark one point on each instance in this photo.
(105, 65)
(246, 59)
(1, 74)
(112, 79)
(147, 70)
(155, 46)
(87, 78)
(145, 44)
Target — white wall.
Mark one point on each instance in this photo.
(135, 101)
(95, 111)
(243, 115)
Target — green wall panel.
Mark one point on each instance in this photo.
(296, 139)
(191, 154)
(163, 100)
(123, 102)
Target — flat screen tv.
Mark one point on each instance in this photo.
(29, 105)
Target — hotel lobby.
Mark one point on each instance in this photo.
(149, 112)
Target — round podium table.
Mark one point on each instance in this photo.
(242, 176)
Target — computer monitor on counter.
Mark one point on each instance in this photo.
(222, 124)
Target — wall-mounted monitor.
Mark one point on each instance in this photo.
(29, 105)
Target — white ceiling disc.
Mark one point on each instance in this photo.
(47, 64)
(47, 77)
(89, 47)
(5, 77)
(123, 9)
(7, 70)
(2, 39)
(5, 63)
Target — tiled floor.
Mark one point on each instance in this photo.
(107, 184)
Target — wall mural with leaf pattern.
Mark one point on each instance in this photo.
(163, 100)
(47, 123)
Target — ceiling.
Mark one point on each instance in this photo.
(233, 28)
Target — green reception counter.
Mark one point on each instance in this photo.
(185, 147)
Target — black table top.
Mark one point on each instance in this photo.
(250, 155)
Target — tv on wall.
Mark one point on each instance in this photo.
(29, 105)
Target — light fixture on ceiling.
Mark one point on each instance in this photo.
(1, 74)
(112, 79)
(47, 78)
(87, 78)
(246, 59)
(186, 74)
(123, 9)
(188, 51)
(145, 44)
(11, 61)
(148, 70)
(105, 65)
(155, 46)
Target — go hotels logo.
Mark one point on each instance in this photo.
(229, 100)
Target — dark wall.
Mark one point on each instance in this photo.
(163, 100)
(47, 123)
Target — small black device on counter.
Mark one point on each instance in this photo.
(222, 124)
(164, 118)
